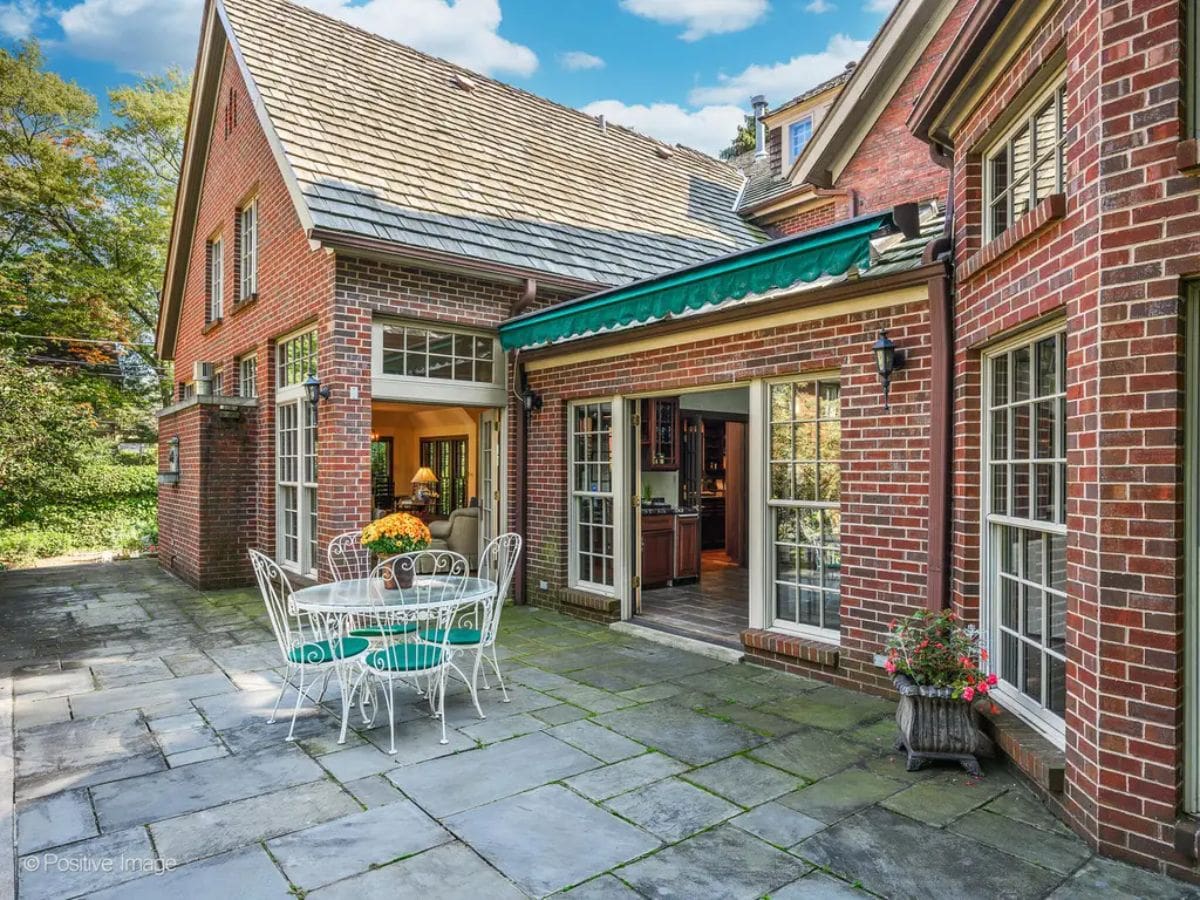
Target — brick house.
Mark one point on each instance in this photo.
(681, 409)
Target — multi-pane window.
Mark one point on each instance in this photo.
(805, 502)
(1026, 594)
(592, 509)
(248, 250)
(248, 376)
(1028, 165)
(447, 457)
(798, 135)
(437, 353)
(216, 279)
(218, 384)
(297, 358)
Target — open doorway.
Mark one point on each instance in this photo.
(693, 522)
(440, 463)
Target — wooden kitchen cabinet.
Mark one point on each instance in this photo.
(660, 434)
(658, 550)
(687, 547)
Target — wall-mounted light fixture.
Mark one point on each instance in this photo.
(887, 360)
(314, 392)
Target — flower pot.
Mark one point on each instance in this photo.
(397, 577)
(933, 725)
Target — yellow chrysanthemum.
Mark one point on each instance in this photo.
(399, 532)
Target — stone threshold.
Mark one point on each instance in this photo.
(678, 641)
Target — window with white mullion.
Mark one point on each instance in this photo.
(593, 511)
(248, 238)
(1025, 598)
(439, 353)
(1027, 165)
(216, 280)
(805, 503)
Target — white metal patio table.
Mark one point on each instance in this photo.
(338, 603)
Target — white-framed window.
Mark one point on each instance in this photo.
(439, 353)
(216, 279)
(297, 359)
(592, 540)
(1027, 164)
(804, 503)
(248, 376)
(218, 383)
(1024, 583)
(248, 250)
(799, 134)
(296, 454)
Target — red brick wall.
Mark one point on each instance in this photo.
(203, 535)
(1112, 268)
(825, 214)
(891, 166)
(884, 476)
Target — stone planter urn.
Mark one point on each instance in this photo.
(398, 576)
(933, 725)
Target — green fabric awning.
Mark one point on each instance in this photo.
(777, 264)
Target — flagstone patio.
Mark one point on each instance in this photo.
(138, 711)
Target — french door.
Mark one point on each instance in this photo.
(489, 476)
(296, 485)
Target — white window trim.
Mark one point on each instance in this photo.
(761, 486)
(787, 135)
(437, 390)
(248, 251)
(216, 279)
(573, 580)
(1024, 118)
(1046, 723)
(242, 380)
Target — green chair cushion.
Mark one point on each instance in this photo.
(380, 630)
(457, 635)
(319, 652)
(405, 658)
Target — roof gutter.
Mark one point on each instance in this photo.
(355, 244)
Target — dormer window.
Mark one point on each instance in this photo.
(798, 135)
(1026, 165)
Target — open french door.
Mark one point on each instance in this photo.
(489, 477)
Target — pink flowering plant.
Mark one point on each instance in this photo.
(936, 650)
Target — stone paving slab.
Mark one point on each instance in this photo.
(627, 775)
(549, 838)
(247, 873)
(451, 871)
(745, 781)
(454, 783)
(136, 696)
(90, 865)
(690, 736)
(62, 818)
(672, 809)
(355, 843)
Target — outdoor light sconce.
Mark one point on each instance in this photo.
(314, 391)
(887, 360)
(170, 475)
(532, 401)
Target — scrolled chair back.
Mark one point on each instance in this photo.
(290, 628)
(348, 558)
(435, 575)
(497, 563)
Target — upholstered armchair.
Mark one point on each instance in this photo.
(459, 533)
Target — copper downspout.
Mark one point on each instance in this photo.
(941, 378)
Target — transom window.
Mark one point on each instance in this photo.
(216, 279)
(248, 239)
(1027, 166)
(805, 502)
(248, 376)
(297, 358)
(1025, 596)
(591, 540)
(798, 135)
(439, 353)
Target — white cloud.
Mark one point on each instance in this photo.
(880, 6)
(700, 18)
(709, 128)
(148, 35)
(18, 18)
(782, 81)
(575, 60)
(820, 6)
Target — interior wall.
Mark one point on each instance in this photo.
(407, 425)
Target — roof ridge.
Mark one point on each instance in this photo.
(478, 76)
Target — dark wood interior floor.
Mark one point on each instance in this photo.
(714, 609)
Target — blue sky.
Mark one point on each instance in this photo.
(681, 70)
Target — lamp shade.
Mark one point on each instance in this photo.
(424, 476)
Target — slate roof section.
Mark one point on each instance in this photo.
(386, 144)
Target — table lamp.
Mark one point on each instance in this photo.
(424, 484)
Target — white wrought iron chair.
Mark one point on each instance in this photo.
(348, 559)
(302, 640)
(477, 628)
(433, 601)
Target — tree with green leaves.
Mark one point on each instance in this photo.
(743, 141)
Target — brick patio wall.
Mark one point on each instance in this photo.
(884, 476)
(1111, 265)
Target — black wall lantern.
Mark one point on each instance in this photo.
(314, 391)
(887, 360)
